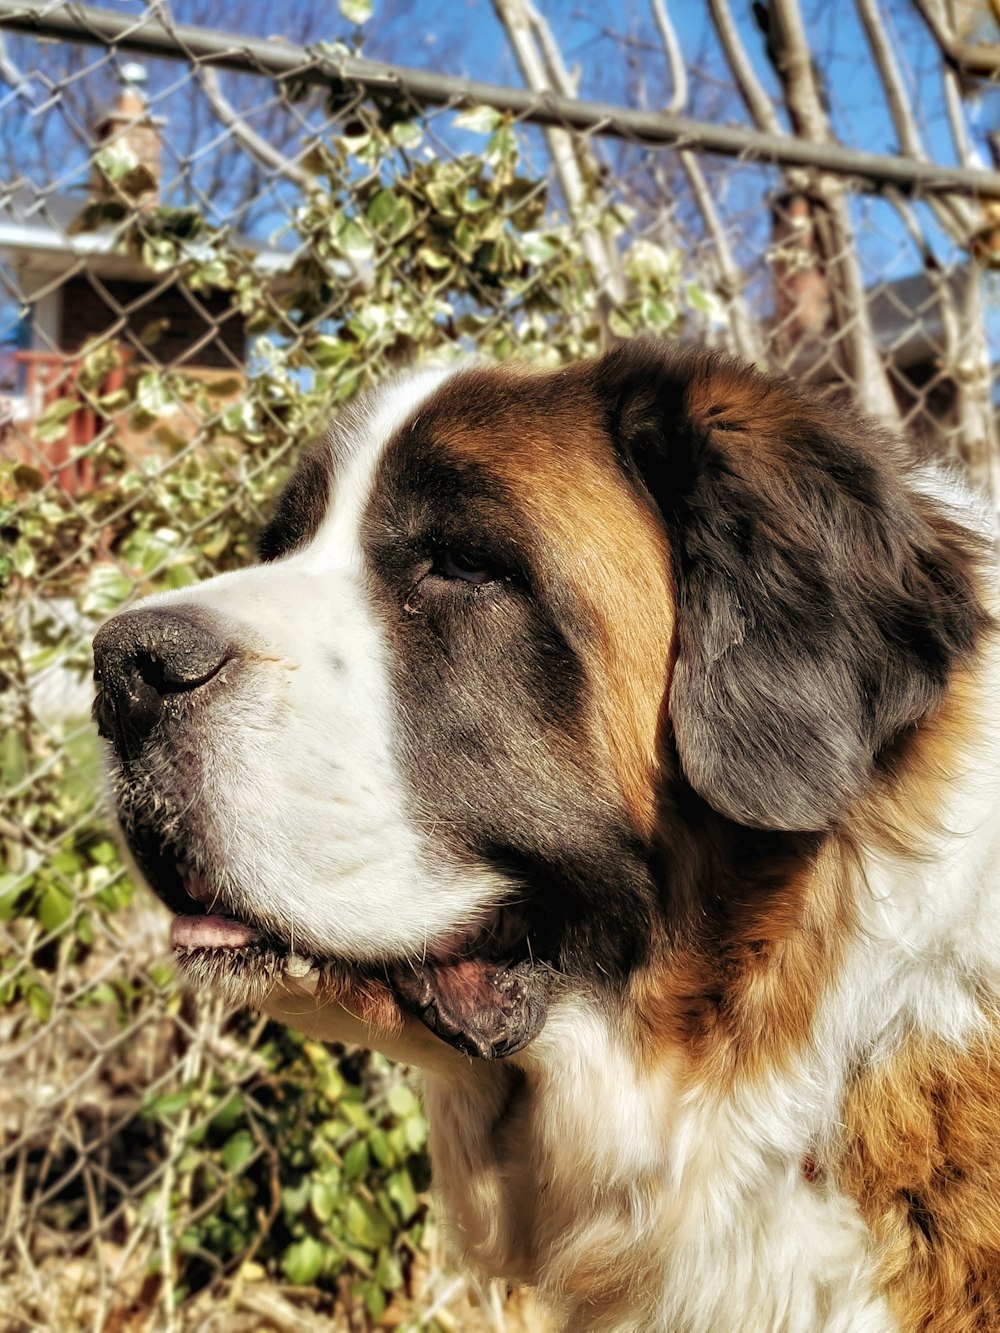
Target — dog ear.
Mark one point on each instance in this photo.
(820, 604)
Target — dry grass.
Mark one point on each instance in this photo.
(61, 1296)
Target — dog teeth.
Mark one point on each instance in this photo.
(298, 966)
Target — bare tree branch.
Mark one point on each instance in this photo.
(675, 57)
(958, 217)
(522, 23)
(247, 138)
(789, 50)
(979, 60)
(562, 81)
(728, 278)
(9, 72)
(892, 80)
(956, 119)
(725, 277)
(791, 55)
(751, 90)
(976, 418)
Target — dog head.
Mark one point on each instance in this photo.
(533, 665)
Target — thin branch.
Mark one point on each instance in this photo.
(978, 60)
(975, 414)
(789, 51)
(967, 154)
(792, 56)
(9, 72)
(892, 80)
(522, 22)
(562, 81)
(675, 57)
(758, 103)
(959, 218)
(246, 137)
(728, 278)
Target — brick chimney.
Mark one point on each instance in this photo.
(129, 139)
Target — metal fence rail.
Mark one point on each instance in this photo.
(345, 75)
(200, 260)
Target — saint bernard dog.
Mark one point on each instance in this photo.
(620, 744)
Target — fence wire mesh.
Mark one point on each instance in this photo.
(198, 264)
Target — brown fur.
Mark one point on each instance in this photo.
(920, 1155)
(740, 1002)
(555, 459)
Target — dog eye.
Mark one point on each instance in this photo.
(466, 566)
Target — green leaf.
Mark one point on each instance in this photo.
(295, 1198)
(104, 853)
(12, 892)
(356, 1160)
(378, 1142)
(415, 1129)
(539, 248)
(324, 1195)
(479, 119)
(374, 1301)
(502, 146)
(402, 1101)
(356, 11)
(326, 351)
(170, 1104)
(209, 276)
(105, 590)
(366, 1225)
(406, 134)
(433, 259)
(303, 1261)
(388, 1271)
(54, 907)
(238, 1149)
(353, 239)
(51, 425)
(66, 863)
(40, 1003)
(391, 214)
(399, 1188)
(355, 1114)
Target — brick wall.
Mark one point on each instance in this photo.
(203, 330)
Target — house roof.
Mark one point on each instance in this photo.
(37, 238)
(907, 315)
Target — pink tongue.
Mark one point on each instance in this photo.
(210, 932)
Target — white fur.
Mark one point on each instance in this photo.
(300, 798)
(701, 1198)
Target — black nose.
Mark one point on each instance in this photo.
(143, 660)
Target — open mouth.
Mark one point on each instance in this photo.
(480, 990)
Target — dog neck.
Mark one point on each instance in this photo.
(552, 1167)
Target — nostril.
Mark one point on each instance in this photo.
(143, 659)
(173, 676)
(152, 672)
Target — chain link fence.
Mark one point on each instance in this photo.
(200, 257)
